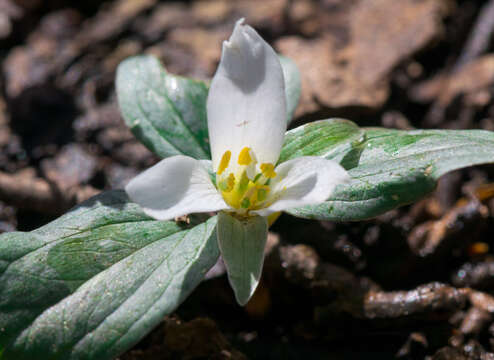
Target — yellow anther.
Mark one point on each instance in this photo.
(244, 156)
(225, 160)
(268, 170)
(231, 181)
(226, 185)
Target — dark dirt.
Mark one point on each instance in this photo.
(414, 283)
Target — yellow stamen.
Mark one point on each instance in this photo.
(227, 184)
(245, 190)
(268, 170)
(244, 156)
(225, 160)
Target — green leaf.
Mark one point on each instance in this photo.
(331, 139)
(167, 113)
(292, 85)
(389, 168)
(241, 243)
(92, 283)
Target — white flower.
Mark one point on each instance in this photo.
(247, 122)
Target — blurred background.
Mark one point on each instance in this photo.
(414, 283)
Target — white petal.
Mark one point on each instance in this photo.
(246, 101)
(241, 244)
(175, 186)
(307, 180)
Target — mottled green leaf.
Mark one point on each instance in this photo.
(389, 168)
(241, 242)
(92, 283)
(167, 113)
(331, 139)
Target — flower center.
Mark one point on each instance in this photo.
(246, 187)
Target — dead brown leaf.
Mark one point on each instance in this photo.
(349, 65)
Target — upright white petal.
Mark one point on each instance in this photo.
(246, 101)
(175, 186)
(306, 180)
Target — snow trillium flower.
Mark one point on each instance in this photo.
(246, 112)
